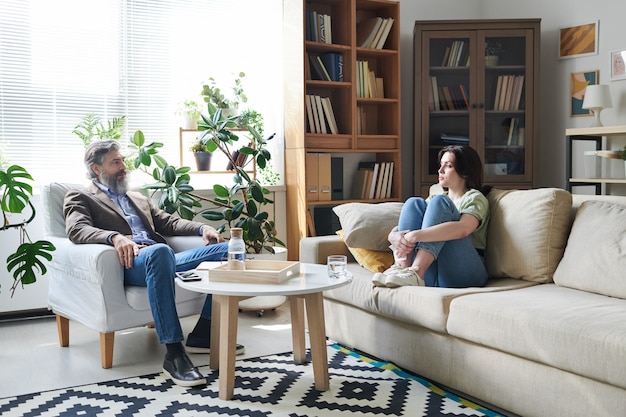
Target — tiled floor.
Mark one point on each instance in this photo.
(31, 359)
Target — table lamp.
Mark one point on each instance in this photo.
(597, 97)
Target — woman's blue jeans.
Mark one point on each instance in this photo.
(457, 263)
(155, 268)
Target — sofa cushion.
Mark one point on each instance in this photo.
(527, 232)
(424, 306)
(372, 260)
(367, 225)
(572, 330)
(594, 258)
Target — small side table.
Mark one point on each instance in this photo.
(303, 291)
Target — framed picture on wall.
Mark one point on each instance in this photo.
(578, 83)
(618, 65)
(577, 41)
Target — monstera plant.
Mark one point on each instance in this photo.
(30, 257)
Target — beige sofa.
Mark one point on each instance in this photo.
(545, 337)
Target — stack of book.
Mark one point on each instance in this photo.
(516, 133)
(373, 180)
(368, 84)
(508, 92)
(455, 139)
(447, 97)
(318, 27)
(456, 55)
(320, 115)
(373, 32)
(326, 67)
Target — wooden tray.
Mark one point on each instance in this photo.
(256, 272)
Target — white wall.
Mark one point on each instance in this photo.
(555, 72)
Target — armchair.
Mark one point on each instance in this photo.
(86, 282)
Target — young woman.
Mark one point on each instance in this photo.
(440, 241)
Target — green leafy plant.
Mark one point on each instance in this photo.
(622, 153)
(240, 204)
(215, 98)
(493, 48)
(91, 127)
(29, 257)
(188, 107)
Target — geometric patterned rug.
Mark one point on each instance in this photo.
(266, 386)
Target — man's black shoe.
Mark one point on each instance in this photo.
(196, 344)
(182, 371)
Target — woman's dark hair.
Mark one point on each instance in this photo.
(468, 165)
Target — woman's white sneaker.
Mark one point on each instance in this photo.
(405, 277)
(380, 278)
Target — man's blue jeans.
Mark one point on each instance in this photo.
(457, 264)
(155, 268)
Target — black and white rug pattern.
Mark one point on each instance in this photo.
(265, 386)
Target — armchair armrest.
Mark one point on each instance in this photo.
(316, 249)
(86, 284)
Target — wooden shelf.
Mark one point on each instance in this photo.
(378, 141)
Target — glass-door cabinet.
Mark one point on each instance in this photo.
(476, 84)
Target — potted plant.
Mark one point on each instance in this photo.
(30, 257)
(216, 99)
(189, 112)
(201, 155)
(493, 50)
(240, 204)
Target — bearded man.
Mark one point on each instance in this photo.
(108, 214)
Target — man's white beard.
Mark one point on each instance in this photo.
(119, 186)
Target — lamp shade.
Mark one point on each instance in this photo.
(597, 96)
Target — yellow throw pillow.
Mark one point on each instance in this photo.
(372, 260)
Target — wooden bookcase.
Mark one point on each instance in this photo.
(477, 106)
(368, 128)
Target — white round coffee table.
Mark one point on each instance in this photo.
(303, 290)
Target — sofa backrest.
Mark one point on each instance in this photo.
(527, 232)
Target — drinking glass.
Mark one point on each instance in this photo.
(337, 266)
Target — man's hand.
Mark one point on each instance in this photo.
(126, 250)
(211, 236)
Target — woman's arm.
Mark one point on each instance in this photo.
(404, 241)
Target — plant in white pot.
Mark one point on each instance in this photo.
(493, 50)
(229, 103)
(189, 112)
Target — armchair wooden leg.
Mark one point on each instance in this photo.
(106, 349)
(63, 329)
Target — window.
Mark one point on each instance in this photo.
(64, 59)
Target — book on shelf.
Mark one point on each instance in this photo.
(381, 36)
(317, 69)
(320, 115)
(454, 138)
(329, 115)
(366, 30)
(318, 27)
(508, 93)
(333, 63)
(435, 93)
(373, 180)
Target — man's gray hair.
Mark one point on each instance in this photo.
(95, 152)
